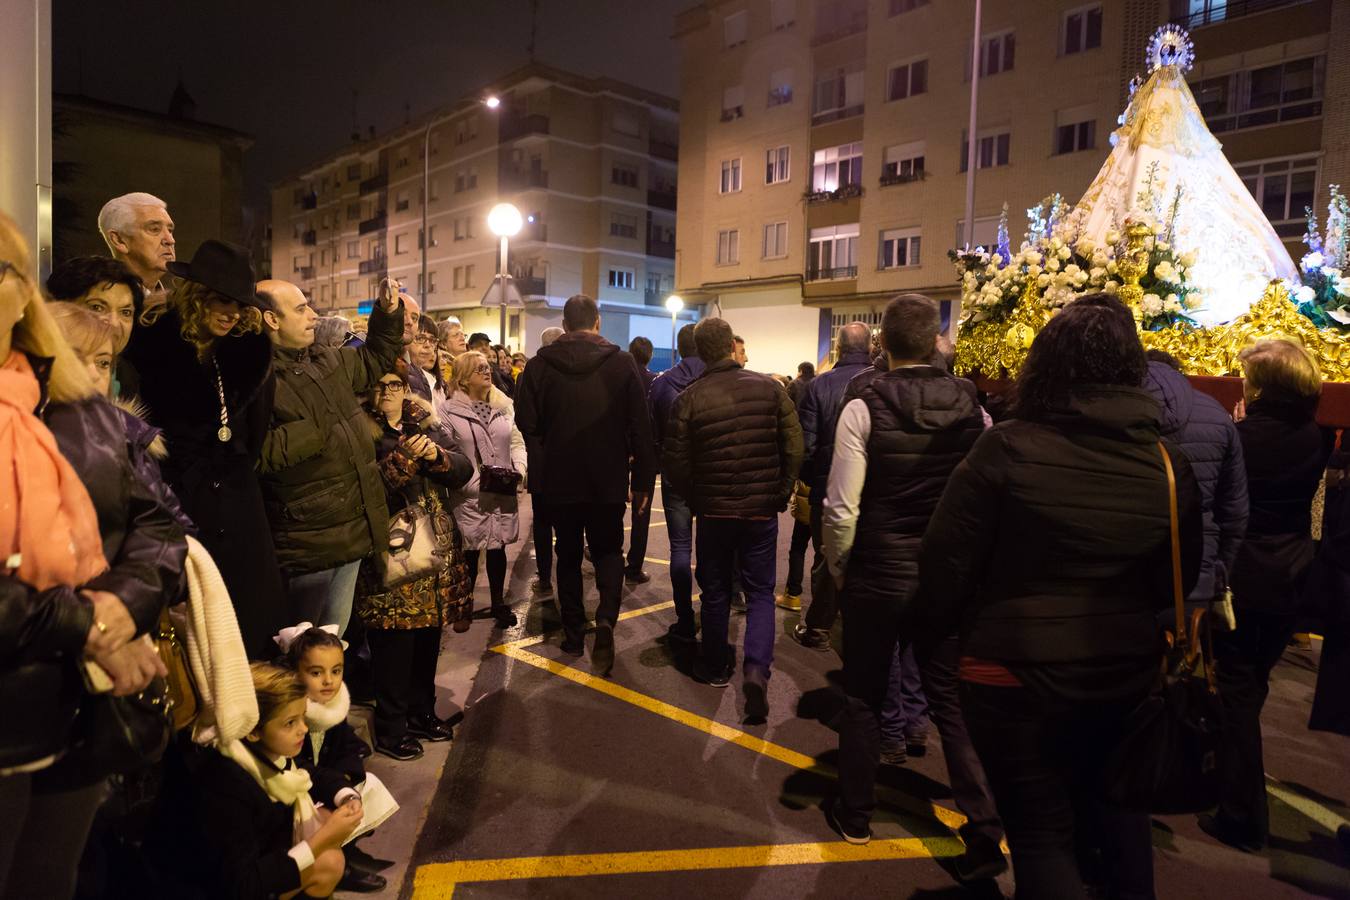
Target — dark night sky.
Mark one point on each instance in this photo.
(284, 70)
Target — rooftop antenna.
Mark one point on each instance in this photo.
(534, 25)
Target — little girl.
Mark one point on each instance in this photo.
(332, 751)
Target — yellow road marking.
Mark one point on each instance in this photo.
(659, 562)
(437, 881)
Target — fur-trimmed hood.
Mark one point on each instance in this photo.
(142, 435)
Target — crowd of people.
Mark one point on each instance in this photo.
(309, 499)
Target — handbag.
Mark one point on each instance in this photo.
(119, 735)
(1167, 761)
(419, 542)
(493, 479)
(182, 690)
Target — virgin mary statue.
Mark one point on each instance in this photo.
(1166, 168)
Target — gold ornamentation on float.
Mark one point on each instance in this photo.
(1132, 265)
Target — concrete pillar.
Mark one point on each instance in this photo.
(26, 123)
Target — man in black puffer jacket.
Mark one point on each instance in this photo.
(733, 447)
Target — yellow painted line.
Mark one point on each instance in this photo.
(659, 562)
(437, 881)
(1310, 808)
(623, 617)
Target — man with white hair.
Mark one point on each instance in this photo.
(139, 231)
(452, 336)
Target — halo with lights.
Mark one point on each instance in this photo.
(1170, 46)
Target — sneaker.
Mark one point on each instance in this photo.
(541, 588)
(429, 728)
(983, 859)
(404, 749)
(756, 690)
(916, 744)
(893, 754)
(1225, 833)
(678, 634)
(791, 602)
(719, 679)
(638, 577)
(811, 638)
(832, 818)
(602, 653)
(360, 882)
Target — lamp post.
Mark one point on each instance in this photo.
(674, 303)
(505, 222)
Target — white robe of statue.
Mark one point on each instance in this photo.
(1237, 250)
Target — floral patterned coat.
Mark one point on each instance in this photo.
(438, 599)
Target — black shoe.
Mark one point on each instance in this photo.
(678, 634)
(832, 818)
(359, 882)
(718, 679)
(756, 690)
(638, 577)
(983, 859)
(360, 859)
(917, 744)
(1225, 833)
(403, 749)
(602, 653)
(894, 754)
(541, 588)
(502, 615)
(429, 728)
(811, 638)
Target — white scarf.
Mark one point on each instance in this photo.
(289, 787)
(215, 650)
(322, 716)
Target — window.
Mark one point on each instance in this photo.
(466, 180)
(430, 286)
(782, 14)
(1075, 136)
(323, 257)
(622, 226)
(323, 220)
(907, 80)
(621, 278)
(435, 190)
(401, 201)
(836, 167)
(780, 87)
(986, 232)
(323, 293)
(353, 212)
(733, 102)
(1283, 92)
(996, 54)
(833, 253)
(624, 175)
(352, 287)
(400, 244)
(354, 172)
(775, 240)
(777, 165)
(1082, 30)
(353, 249)
(731, 176)
(1284, 188)
(904, 6)
(297, 264)
(466, 130)
(735, 28)
(903, 162)
(402, 157)
(626, 123)
(991, 150)
(419, 237)
(838, 93)
(728, 247)
(899, 248)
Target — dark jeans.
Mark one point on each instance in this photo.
(543, 541)
(43, 835)
(637, 542)
(801, 537)
(680, 530)
(824, 602)
(1243, 660)
(325, 597)
(905, 712)
(403, 668)
(1044, 760)
(722, 544)
(970, 788)
(496, 571)
(600, 526)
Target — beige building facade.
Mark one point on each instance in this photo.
(590, 163)
(822, 142)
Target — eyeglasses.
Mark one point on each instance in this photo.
(391, 387)
(426, 339)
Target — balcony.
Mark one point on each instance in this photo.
(832, 274)
(652, 298)
(309, 201)
(658, 247)
(376, 182)
(520, 181)
(513, 127)
(834, 115)
(306, 273)
(663, 150)
(661, 199)
(1218, 11)
(889, 177)
(309, 238)
(531, 286)
(735, 112)
(374, 265)
(846, 192)
(833, 31)
(374, 223)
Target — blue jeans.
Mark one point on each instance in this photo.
(722, 544)
(325, 597)
(905, 713)
(680, 529)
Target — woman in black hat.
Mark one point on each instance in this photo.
(206, 374)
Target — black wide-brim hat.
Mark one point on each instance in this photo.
(226, 269)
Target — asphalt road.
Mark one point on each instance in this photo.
(648, 784)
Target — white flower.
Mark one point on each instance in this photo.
(1152, 305)
(1043, 281)
(1331, 272)
(1081, 278)
(991, 269)
(1313, 261)
(1056, 244)
(1111, 267)
(1187, 259)
(1071, 269)
(1097, 274)
(1163, 271)
(1099, 258)
(1303, 293)
(1052, 264)
(1086, 247)
(1340, 315)
(1343, 287)
(1161, 246)
(1033, 270)
(1065, 253)
(1172, 303)
(1113, 237)
(1111, 287)
(1193, 300)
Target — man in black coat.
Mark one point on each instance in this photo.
(583, 411)
(733, 447)
(641, 350)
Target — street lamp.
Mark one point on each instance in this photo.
(505, 221)
(674, 303)
(492, 102)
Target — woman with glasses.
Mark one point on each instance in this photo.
(206, 376)
(487, 512)
(403, 622)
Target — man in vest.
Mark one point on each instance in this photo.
(895, 446)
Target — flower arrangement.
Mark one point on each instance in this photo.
(1324, 295)
(1062, 265)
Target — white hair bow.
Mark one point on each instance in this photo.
(286, 636)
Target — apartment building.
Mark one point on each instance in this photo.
(823, 142)
(591, 164)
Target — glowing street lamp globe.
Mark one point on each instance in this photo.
(674, 303)
(492, 102)
(504, 220)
